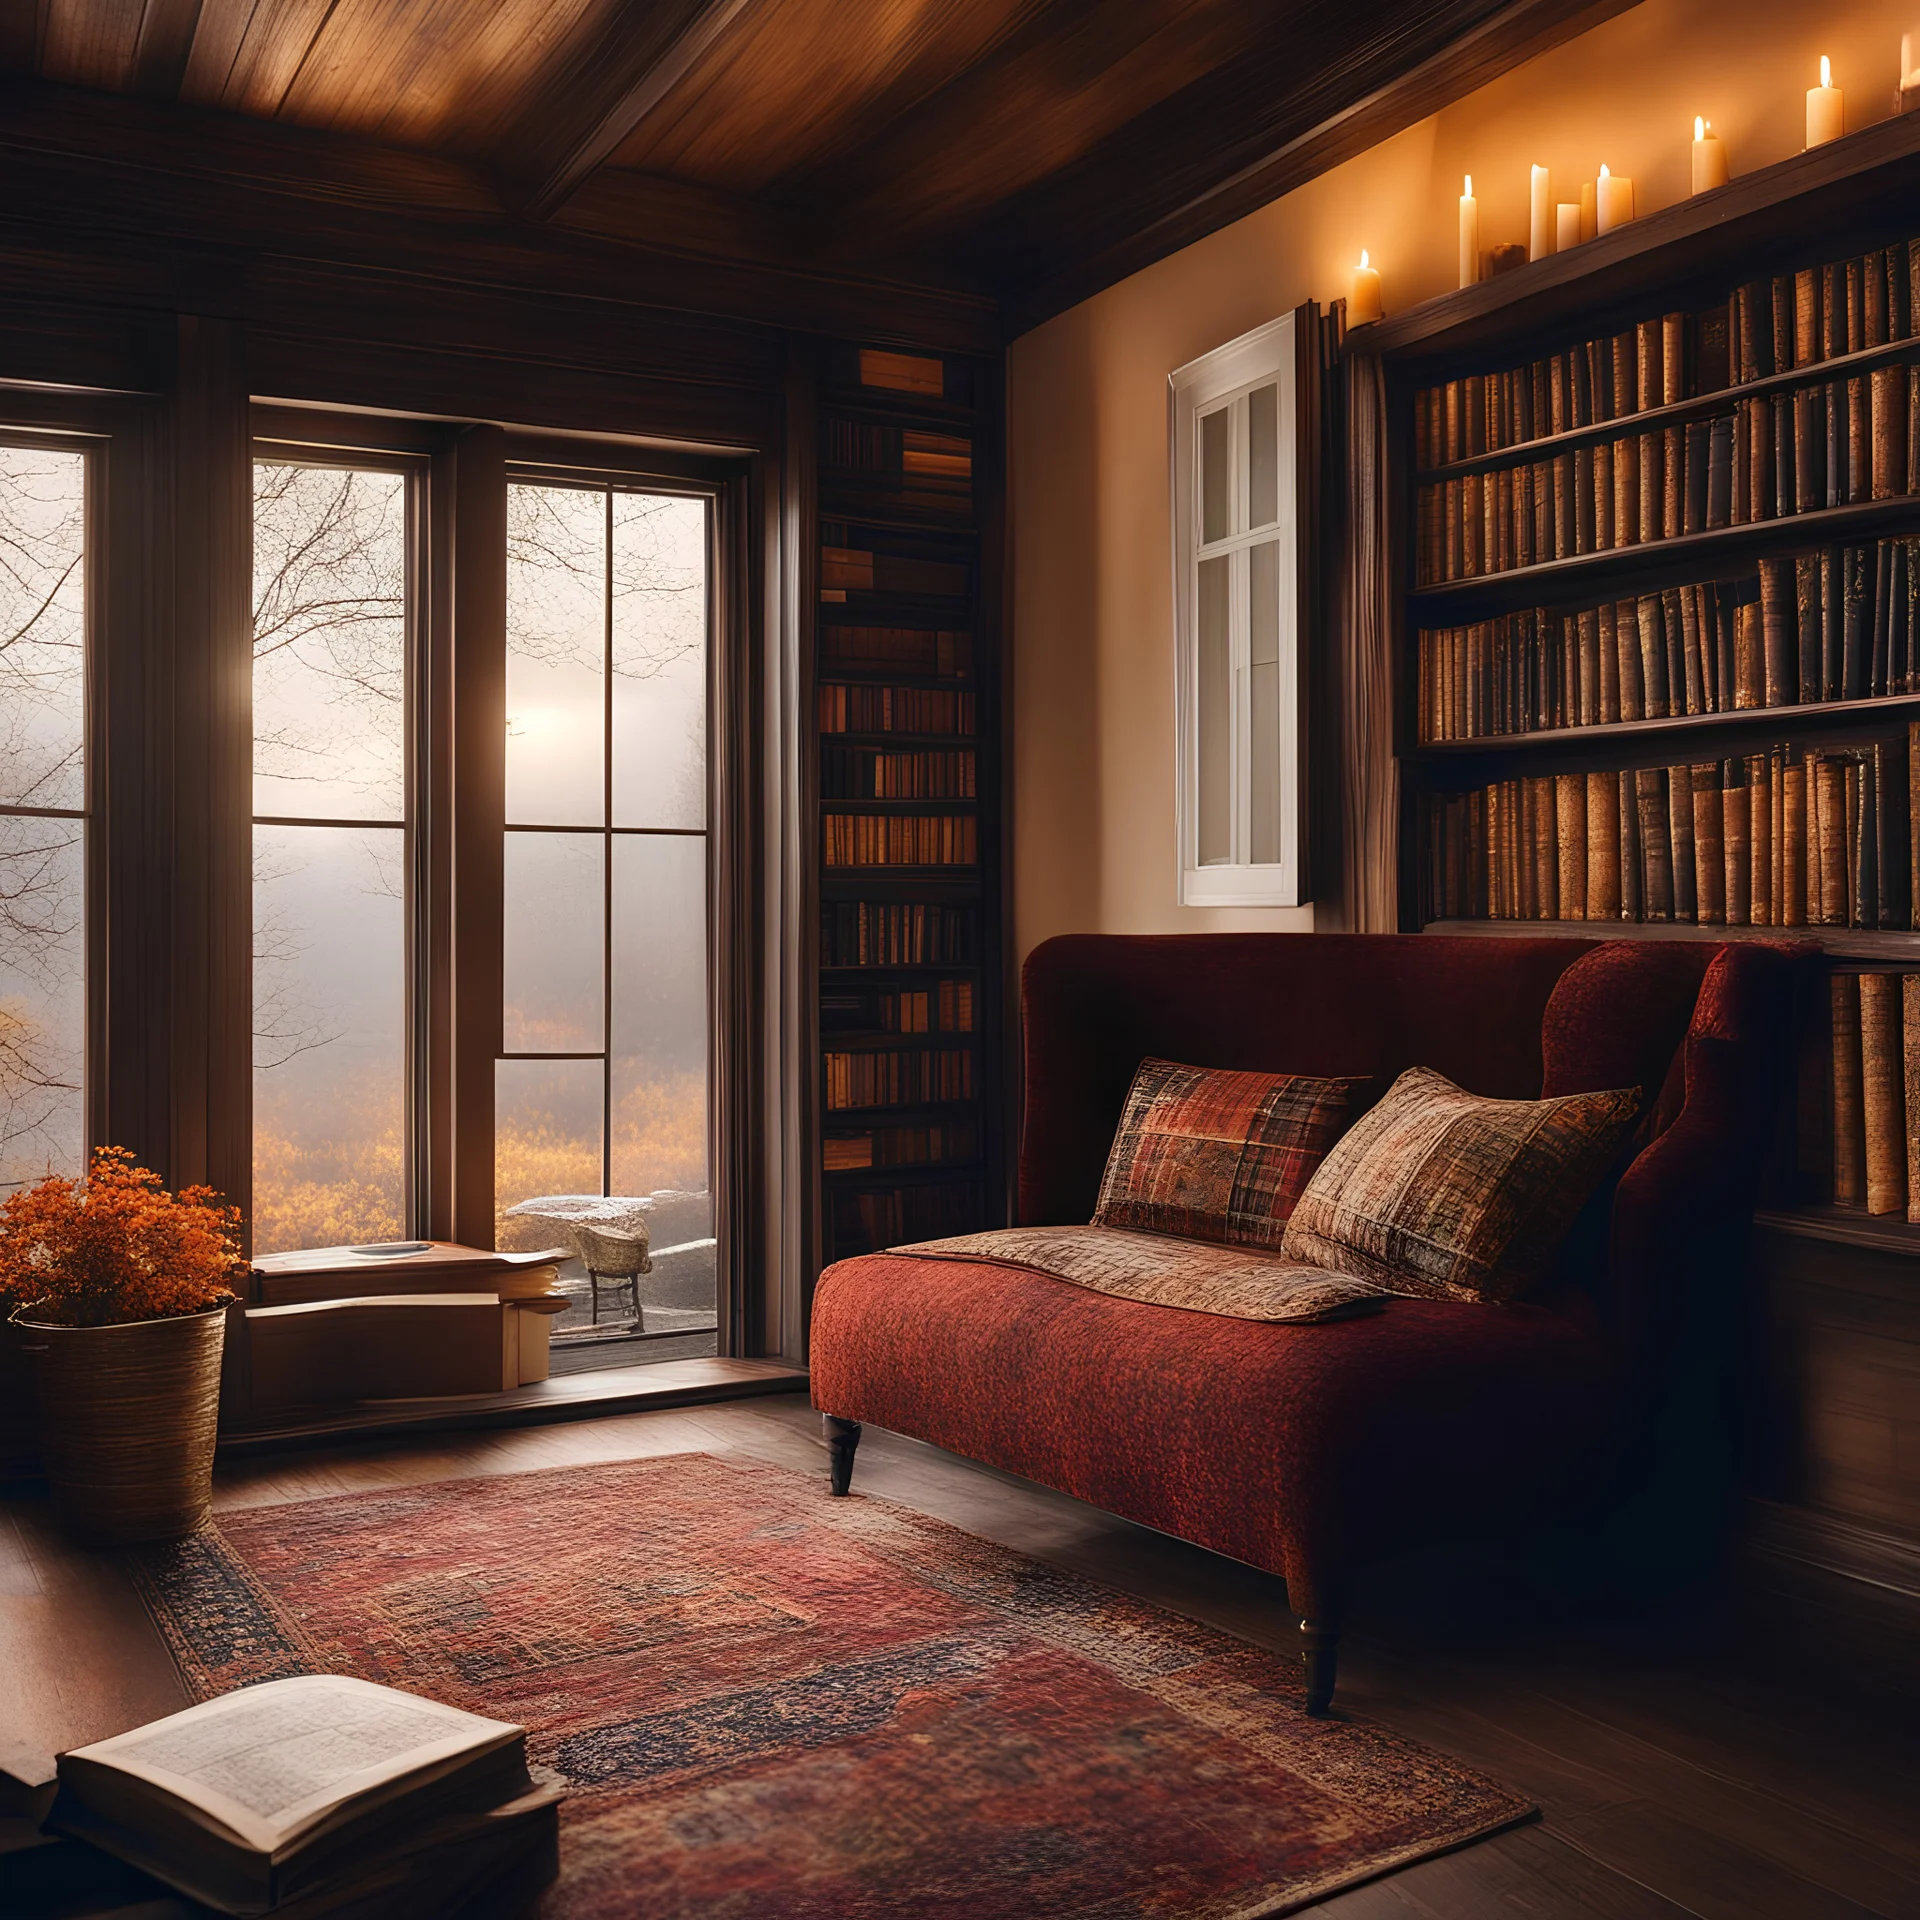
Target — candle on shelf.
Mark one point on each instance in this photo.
(1709, 156)
(1363, 303)
(1566, 226)
(1612, 201)
(1540, 225)
(1823, 108)
(1909, 95)
(1589, 214)
(1469, 236)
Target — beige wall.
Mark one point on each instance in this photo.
(1092, 661)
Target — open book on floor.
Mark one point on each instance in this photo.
(280, 1797)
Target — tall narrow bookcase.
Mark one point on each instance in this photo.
(1655, 566)
(906, 688)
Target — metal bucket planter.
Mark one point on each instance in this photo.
(127, 1416)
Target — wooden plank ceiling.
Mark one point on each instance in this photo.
(1031, 150)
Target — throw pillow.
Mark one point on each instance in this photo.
(1441, 1193)
(1211, 1154)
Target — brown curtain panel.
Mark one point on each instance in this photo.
(1369, 776)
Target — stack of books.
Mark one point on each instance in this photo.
(1875, 1084)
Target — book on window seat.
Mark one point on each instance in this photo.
(314, 1796)
(400, 1266)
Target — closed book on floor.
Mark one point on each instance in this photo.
(268, 1793)
(1849, 1111)
(1883, 1093)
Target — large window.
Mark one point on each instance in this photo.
(602, 1086)
(1236, 623)
(332, 798)
(43, 809)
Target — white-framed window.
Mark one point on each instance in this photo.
(1236, 600)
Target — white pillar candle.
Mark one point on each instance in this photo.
(1363, 302)
(1823, 108)
(1589, 214)
(1709, 157)
(1566, 226)
(1613, 201)
(1469, 236)
(1540, 227)
(1909, 65)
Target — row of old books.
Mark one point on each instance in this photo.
(911, 1077)
(1842, 623)
(869, 773)
(899, 840)
(900, 1147)
(927, 468)
(845, 570)
(944, 651)
(877, 709)
(1876, 1091)
(1770, 456)
(863, 1220)
(1795, 837)
(888, 933)
(1791, 322)
(945, 1007)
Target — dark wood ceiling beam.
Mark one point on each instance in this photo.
(1497, 44)
(600, 90)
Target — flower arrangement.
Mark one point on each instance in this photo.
(115, 1248)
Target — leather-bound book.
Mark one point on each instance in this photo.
(1626, 374)
(1546, 849)
(1586, 628)
(1722, 605)
(1779, 633)
(1910, 1077)
(1656, 843)
(1909, 615)
(1653, 657)
(1570, 831)
(1888, 388)
(1565, 506)
(1781, 287)
(1647, 385)
(1521, 507)
(1859, 442)
(1475, 414)
(1835, 413)
(1680, 837)
(1450, 531)
(1686, 604)
(1786, 480)
(1673, 632)
(1749, 333)
(1863, 841)
(1601, 491)
(1633, 679)
(1849, 1107)
(1849, 582)
(1777, 808)
(1697, 440)
(1584, 528)
(1809, 451)
(1807, 622)
(1709, 846)
(1759, 840)
(1913, 422)
(1603, 846)
(1490, 522)
(1456, 431)
(1625, 467)
(1899, 313)
(1673, 482)
(1673, 358)
(1833, 309)
(1740, 501)
(1580, 387)
(1828, 836)
(1712, 351)
(1806, 317)
(1875, 268)
(1855, 271)
(1473, 524)
(1632, 871)
(1790, 898)
(1559, 411)
(1506, 521)
(1719, 484)
(1749, 653)
(1479, 882)
(1880, 617)
(1887, 770)
(1736, 840)
(1761, 504)
(1651, 452)
(1607, 663)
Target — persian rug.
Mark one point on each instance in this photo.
(773, 1705)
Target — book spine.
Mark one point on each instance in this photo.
(1736, 829)
(1910, 1052)
(1760, 815)
(1570, 825)
(1709, 847)
(1686, 902)
(1791, 895)
(1849, 1112)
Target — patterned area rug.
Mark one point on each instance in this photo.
(774, 1705)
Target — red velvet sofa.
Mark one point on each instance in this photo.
(1303, 1449)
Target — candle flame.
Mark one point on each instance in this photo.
(1826, 71)
(1469, 192)
(1699, 128)
(1363, 256)
(1604, 175)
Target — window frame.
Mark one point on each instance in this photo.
(1269, 355)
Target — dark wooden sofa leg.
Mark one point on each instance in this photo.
(842, 1437)
(1320, 1650)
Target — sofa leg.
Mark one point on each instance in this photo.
(1320, 1651)
(842, 1437)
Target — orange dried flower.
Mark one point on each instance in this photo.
(117, 1248)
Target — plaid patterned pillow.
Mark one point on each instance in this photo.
(1216, 1155)
(1448, 1196)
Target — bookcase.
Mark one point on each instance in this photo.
(906, 706)
(1654, 565)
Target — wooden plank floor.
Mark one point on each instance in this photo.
(1678, 1774)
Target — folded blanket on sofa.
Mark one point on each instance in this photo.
(1198, 1275)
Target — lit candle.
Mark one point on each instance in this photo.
(1589, 216)
(1540, 226)
(1909, 95)
(1566, 226)
(1469, 236)
(1709, 156)
(1823, 108)
(1363, 303)
(1612, 201)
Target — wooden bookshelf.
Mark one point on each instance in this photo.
(906, 698)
